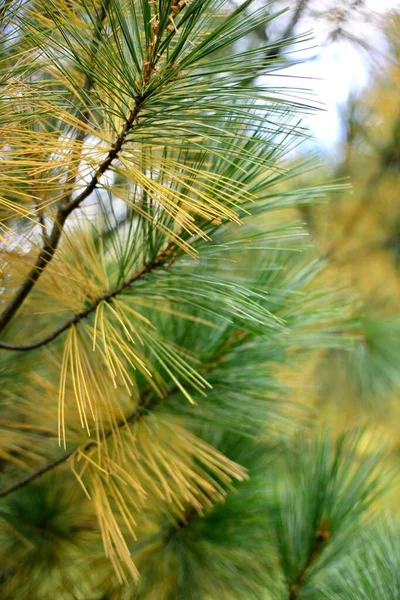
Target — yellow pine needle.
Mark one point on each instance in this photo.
(123, 509)
(114, 347)
(85, 456)
(123, 306)
(109, 416)
(120, 320)
(61, 401)
(181, 479)
(114, 544)
(95, 327)
(109, 405)
(81, 376)
(106, 348)
(149, 457)
(168, 232)
(131, 482)
(183, 175)
(9, 238)
(76, 381)
(90, 388)
(112, 358)
(174, 203)
(17, 209)
(49, 311)
(87, 262)
(80, 481)
(169, 464)
(219, 464)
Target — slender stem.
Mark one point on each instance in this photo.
(163, 258)
(34, 474)
(288, 32)
(322, 534)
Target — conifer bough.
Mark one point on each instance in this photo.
(159, 301)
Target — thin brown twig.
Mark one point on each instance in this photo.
(322, 534)
(162, 259)
(24, 481)
(42, 223)
(64, 210)
(297, 14)
(35, 474)
(289, 30)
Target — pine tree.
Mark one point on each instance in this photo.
(155, 294)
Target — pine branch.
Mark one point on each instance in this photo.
(20, 483)
(67, 205)
(322, 534)
(147, 402)
(159, 261)
(42, 222)
(13, 487)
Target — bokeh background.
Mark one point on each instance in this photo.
(347, 60)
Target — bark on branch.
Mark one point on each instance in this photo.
(321, 535)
